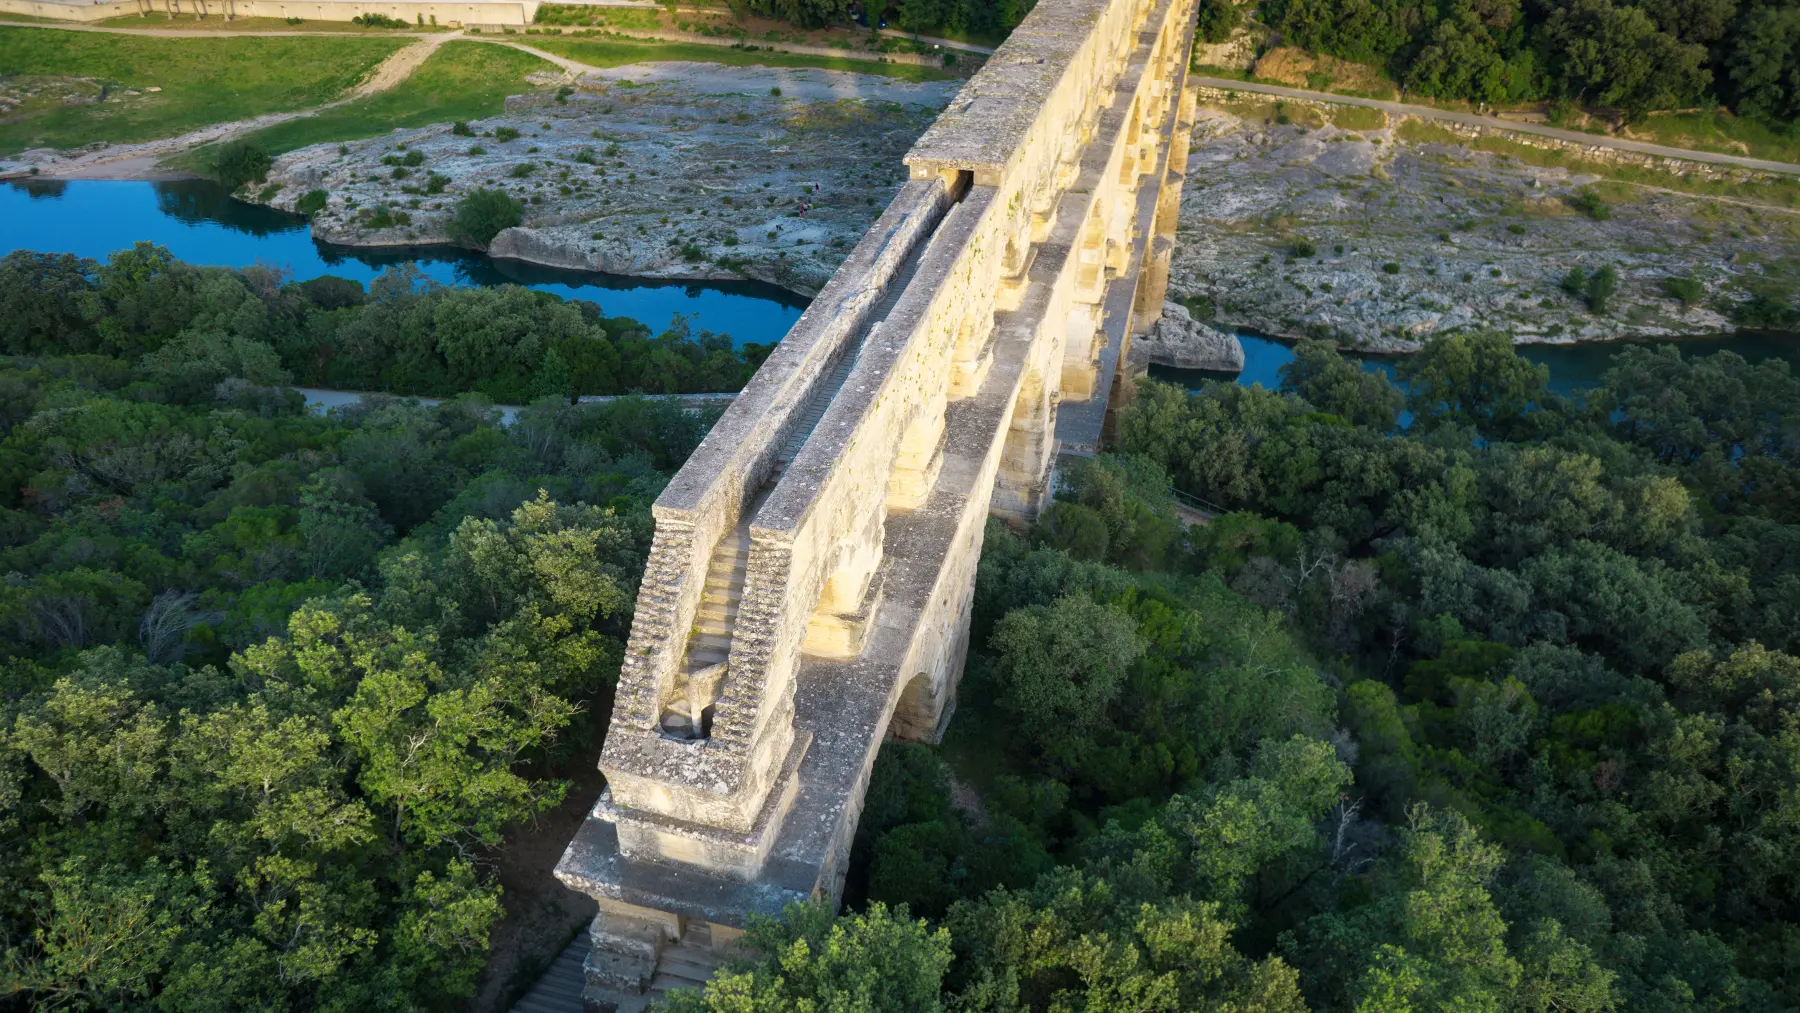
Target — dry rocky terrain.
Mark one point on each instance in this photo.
(1296, 229)
(671, 170)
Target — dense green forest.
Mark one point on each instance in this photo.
(187, 328)
(1473, 696)
(1492, 712)
(1653, 54)
(274, 684)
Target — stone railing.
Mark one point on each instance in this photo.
(702, 781)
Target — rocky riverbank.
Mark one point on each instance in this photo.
(670, 170)
(1293, 226)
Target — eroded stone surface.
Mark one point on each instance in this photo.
(1181, 341)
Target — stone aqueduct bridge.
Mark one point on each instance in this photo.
(809, 585)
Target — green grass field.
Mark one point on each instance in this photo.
(190, 22)
(461, 81)
(619, 52)
(203, 81)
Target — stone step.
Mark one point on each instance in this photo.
(692, 963)
(721, 641)
(705, 657)
(628, 973)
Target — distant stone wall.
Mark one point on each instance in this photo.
(453, 15)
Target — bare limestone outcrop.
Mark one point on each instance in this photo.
(1380, 237)
(1181, 341)
(662, 170)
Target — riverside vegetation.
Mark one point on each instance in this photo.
(1498, 711)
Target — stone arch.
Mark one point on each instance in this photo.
(917, 713)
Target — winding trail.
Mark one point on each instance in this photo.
(1496, 123)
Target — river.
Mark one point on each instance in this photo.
(1571, 366)
(202, 224)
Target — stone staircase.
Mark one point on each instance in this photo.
(564, 985)
(709, 643)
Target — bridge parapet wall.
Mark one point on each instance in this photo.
(690, 780)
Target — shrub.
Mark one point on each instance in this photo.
(482, 214)
(240, 162)
(1575, 282)
(461, 129)
(1303, 248)
(1686, 290)
(435, 182)
(399, 172)
(414, 158)
(1516, 229)
(477, 150)
(377, 21)
(1600, 288)
(776, 91)
(387, 218)
(1764, 311)
(506, 134)
(1391, 268)
(521, 170)
(1218, 19)
(692, 252)
(312, 202)
(1589, 203)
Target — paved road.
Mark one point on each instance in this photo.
(1431, 113)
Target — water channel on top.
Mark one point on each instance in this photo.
(202, 224)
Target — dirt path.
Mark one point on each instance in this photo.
(1471, 119)
(139, 161)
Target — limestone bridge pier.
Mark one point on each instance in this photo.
(809, 584)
